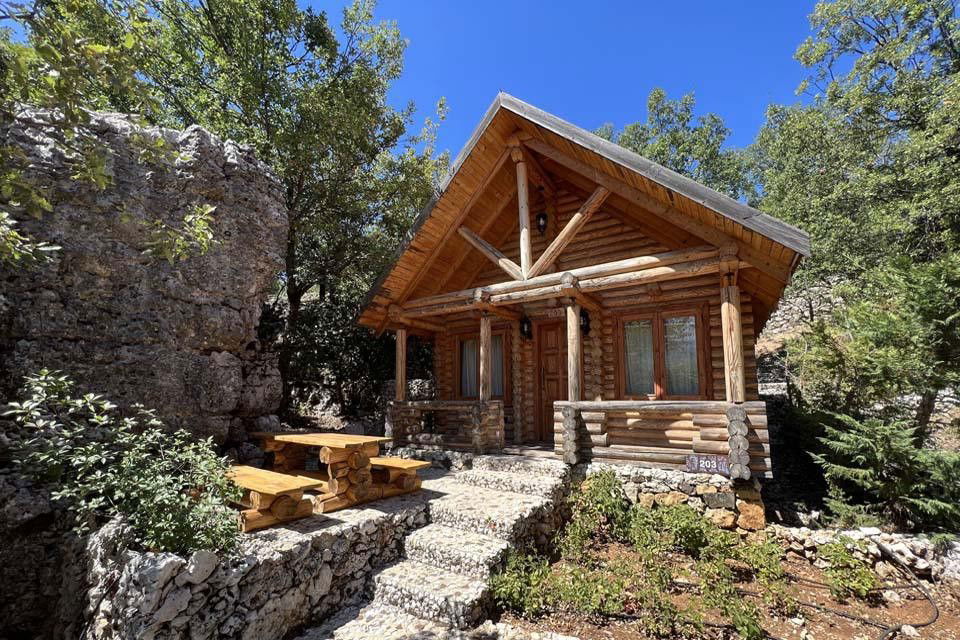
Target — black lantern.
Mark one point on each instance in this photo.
(542, 222)
(584, 322)
(526, 328)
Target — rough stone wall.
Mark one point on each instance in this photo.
(282, 579)
(180, 338)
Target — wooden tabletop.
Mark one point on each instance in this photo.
(268, 482)
(332, 440)
(399, 463)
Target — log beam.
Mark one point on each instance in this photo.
(398, 317)
(569, 231)
(400, 366)
(603, 269)
(492, 253)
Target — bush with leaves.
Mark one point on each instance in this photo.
(598, 512)
(101, 463)
(519, 585)
(877, 473)
(847, 574)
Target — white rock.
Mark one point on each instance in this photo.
(199, 568)
(908, 631)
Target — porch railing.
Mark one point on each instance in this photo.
(460, 425)
(691, 435)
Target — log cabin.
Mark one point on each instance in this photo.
(584, 302)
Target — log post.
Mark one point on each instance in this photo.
(732, 339)
(523, 198)
(400, 371)
(571, 427)
(573, 351)
(486, 358)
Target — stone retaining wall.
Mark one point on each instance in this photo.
(728, 505)
(918, 552)
(283, 578)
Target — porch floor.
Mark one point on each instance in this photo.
(530, 451)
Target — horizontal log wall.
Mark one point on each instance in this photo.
(457, 425)
(663, 434)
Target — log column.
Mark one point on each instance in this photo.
(486, 358)
(732, 338)
(400, 371)
(573, 350)
(523, 198)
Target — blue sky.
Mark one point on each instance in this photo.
(595, 62)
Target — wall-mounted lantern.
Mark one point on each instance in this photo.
(526, 328)
(542, 222)
(584, 322)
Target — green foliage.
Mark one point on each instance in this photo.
(670, 137)
(719, 592)
(585, 590)
(879, 465)
(195, 237)
(519, 586)
(765, 560)
(847, 575)
(60, 67)
(170, 488)
(598, 509)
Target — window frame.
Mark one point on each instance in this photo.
(700, 312)
(462, 337)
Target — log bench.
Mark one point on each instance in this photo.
(270, 497)
(396, 475)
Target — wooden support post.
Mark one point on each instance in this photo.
(732, 339)
(401, 366)
(573, 351)
(523, 198)
(486, 357)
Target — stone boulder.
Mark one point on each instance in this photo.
(178, 337)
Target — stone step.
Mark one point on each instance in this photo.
(515, 482)
(431, 593)
(456, 550)
(508, 516)
(380, 621)
(551, 467)
(383, 622)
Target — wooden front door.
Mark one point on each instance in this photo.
(552, 374)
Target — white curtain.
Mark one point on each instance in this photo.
(638, 343)
(469, 368)
(680, 337)
(496, 345)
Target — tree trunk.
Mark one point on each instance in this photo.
(294, 299)
(928, 401)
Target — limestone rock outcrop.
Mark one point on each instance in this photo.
(178, 337)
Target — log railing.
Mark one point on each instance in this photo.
(688, 435)
(459, 425)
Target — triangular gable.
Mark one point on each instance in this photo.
(481, 185)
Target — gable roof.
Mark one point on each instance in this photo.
(437, 222)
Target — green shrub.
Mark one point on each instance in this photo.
(520, 585)
(598, 511)
(170, 488)
(765, 562)
(878, 471)
(587, 591)
(719, 592)
(847, 575)
(685, 529)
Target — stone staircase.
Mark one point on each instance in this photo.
(441, 585)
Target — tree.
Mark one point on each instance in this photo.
(670, 137)
(314, 107)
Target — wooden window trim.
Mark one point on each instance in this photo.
(700, 312)
(459, 338)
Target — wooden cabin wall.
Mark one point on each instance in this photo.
(604, 238)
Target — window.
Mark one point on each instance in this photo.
(662, 355)
(469, 357)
